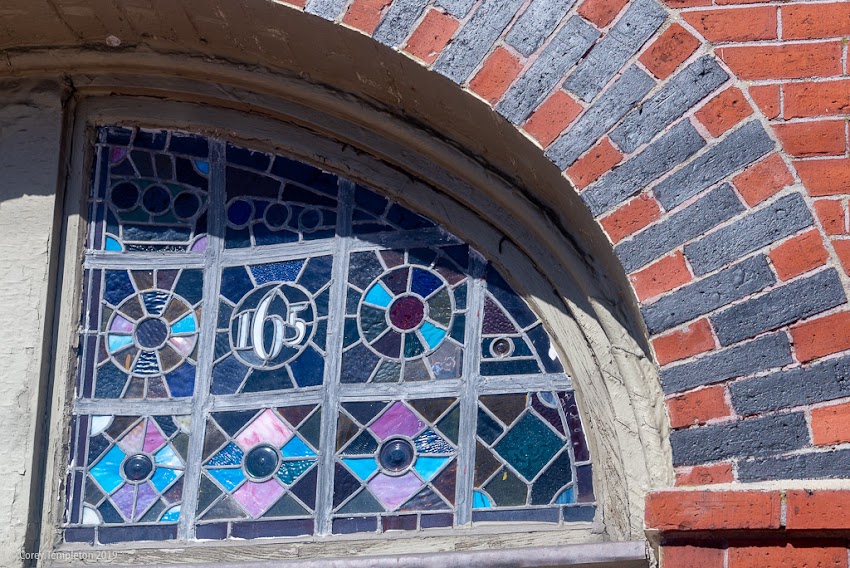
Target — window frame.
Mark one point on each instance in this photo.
(132, 111)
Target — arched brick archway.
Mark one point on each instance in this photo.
(724, 210)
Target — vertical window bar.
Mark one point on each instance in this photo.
(469, 391)
(336, 325)
(212, 280)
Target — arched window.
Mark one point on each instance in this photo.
(270, 350)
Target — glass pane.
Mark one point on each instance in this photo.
(260, 465)
(394, 457)
(129, 469)
(374, 213)
(152, 192)
(272, 326)
(141, 333)
(274, 200)
(406, 315)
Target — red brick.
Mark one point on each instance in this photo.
(805, 21)
(763, 179)
(824, 509)
(816, 138)
(698, 407)
(691, 557)
(831, 215)
(432, 35)
(842, 249)
(734, 24)
(726, 2)
(788, 556)
(724, 111)
(767, 99)
(823, 336)
(661, 276)
(675, 4)
(592, 165)
(296, 3)
(552, 117)
(809, 99)
(705, 475)
(831, 425)
(786, 61)
(668, 52)
(709, 510)
(798, 255)
(681, 344)
(631, 217)
(496, 75)
(365, 15)
(601, 12)
(825, 177)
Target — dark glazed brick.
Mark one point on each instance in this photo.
(109, 535)
(711, 210)
(548, 515)
(760, 228)
(619, 99)
(742, 147)
(627, 36)
(745, 278)
(476, 38)
(776, 308)
(768, 352)
(457, 8)
(399, 20)
(676, 146)
(534, 86)
(680, 93)
(536, 24)
(84, 534)
(818, 383)
(757, 437)
(821, 465)
(327, 9)
(437, 520)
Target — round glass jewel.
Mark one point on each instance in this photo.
(262, 461)
(151, 333)
(156, 199)
(137, 468)
(407, 312)
(502, 347)
(396, 455)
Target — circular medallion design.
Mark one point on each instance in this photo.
(137, 468)
(262, 461)
(396, 455)
(406, 313)
(272, 325)
(502, 347)
(151, 333)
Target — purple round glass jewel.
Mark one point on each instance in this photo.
(407, 312)
(151, 333)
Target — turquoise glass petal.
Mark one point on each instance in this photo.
(185, 325)
(296, 448)
(229, 478)
(118, 342)
(166, 456)
(291, 470)
(362, 467)
(231, 454)
(112, 245)
(428, 467)
(163, 477)
(107, 471)
(433, 335)
(378, 296)
(203, 167)
(480, 501)
(567, 496)
(172, 515)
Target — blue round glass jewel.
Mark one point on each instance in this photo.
(138, 467)
(396, 455)
(156, 199)
(151, 333)
(262, 461)
(125, 196)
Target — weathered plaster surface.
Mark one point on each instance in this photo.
(30, 139)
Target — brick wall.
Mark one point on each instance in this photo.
(710, 141)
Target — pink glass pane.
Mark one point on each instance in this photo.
(123, 499)
(121, 325)
(397, 421)
(255, 498)
(144, 498)
(134, 440)
(265, 429)
(153, 439)
(393, 491)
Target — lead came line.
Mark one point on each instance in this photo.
(333, 367)
(469, 391)
(212, 282)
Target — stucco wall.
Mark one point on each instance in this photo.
(30, 142)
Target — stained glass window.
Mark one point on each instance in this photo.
(269, 350)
